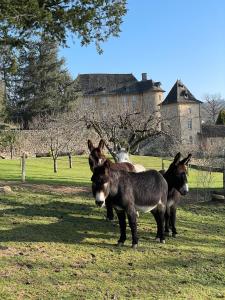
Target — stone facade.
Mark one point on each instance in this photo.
(115, 91)
(181, 114)
(212, 138)
(180, 111)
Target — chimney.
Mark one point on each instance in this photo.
(144, 76)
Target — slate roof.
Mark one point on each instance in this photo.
(92, 84)
(213, 131)
(113, 84)
(180, 94)
(139, 87)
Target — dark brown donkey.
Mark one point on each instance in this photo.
(176, 177)
(130, 192)
(97, 158)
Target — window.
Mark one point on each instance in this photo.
(189, 123)
(185, 95)
(191, 139)
(124, 100)
(103, 100)
(134, 101)
(189, 110)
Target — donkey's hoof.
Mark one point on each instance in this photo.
(120, 244)
(174, 234)
(109, 219)
(134, 246)
(157, 239)
(162, 241)
(167, 233)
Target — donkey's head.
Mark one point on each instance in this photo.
(122, 155)
(96, 156)
(176, 175)
(100, 183)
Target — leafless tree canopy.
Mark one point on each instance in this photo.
(59, 132)
(212, 106)
(123, 126)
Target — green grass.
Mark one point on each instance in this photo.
(41, 170)
(55, 243)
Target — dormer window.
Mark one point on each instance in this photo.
(184, 94)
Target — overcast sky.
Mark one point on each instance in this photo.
(168, 40)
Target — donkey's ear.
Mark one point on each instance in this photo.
(107, 164)
(186, 160)
(118, 147)
(90, 145)
(101, 144)
(177, 158)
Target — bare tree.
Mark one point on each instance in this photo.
(59, 132)
(124, 127)
(212, 106)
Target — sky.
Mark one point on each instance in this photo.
(168, 40)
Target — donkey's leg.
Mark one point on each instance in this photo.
(156, 216)
(173, 220)
(132, 218)
(109, 209)
(122, 222)
(167, 221)
(161, 224)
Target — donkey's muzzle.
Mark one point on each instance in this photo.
(99, 203)
(183, 192)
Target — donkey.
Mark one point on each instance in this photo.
(129, 192)
(176, 177)
(97, 158)
(122, 155)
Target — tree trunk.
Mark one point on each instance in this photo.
(55, 164)
(11, 151)
(23, 167)
(70, 160)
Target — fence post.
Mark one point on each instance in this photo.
(224, 181)
(70, 160)
(23, 165)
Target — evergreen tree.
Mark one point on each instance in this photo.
(8, 75)
(221, 117)
(44, 85)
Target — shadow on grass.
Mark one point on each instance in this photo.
(71, 222)
(68, 222)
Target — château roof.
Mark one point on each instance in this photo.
(180, 94)
(213, 130)
(91, 84)
(140, 87)
(113, 84)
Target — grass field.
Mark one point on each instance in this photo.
(55, 243)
